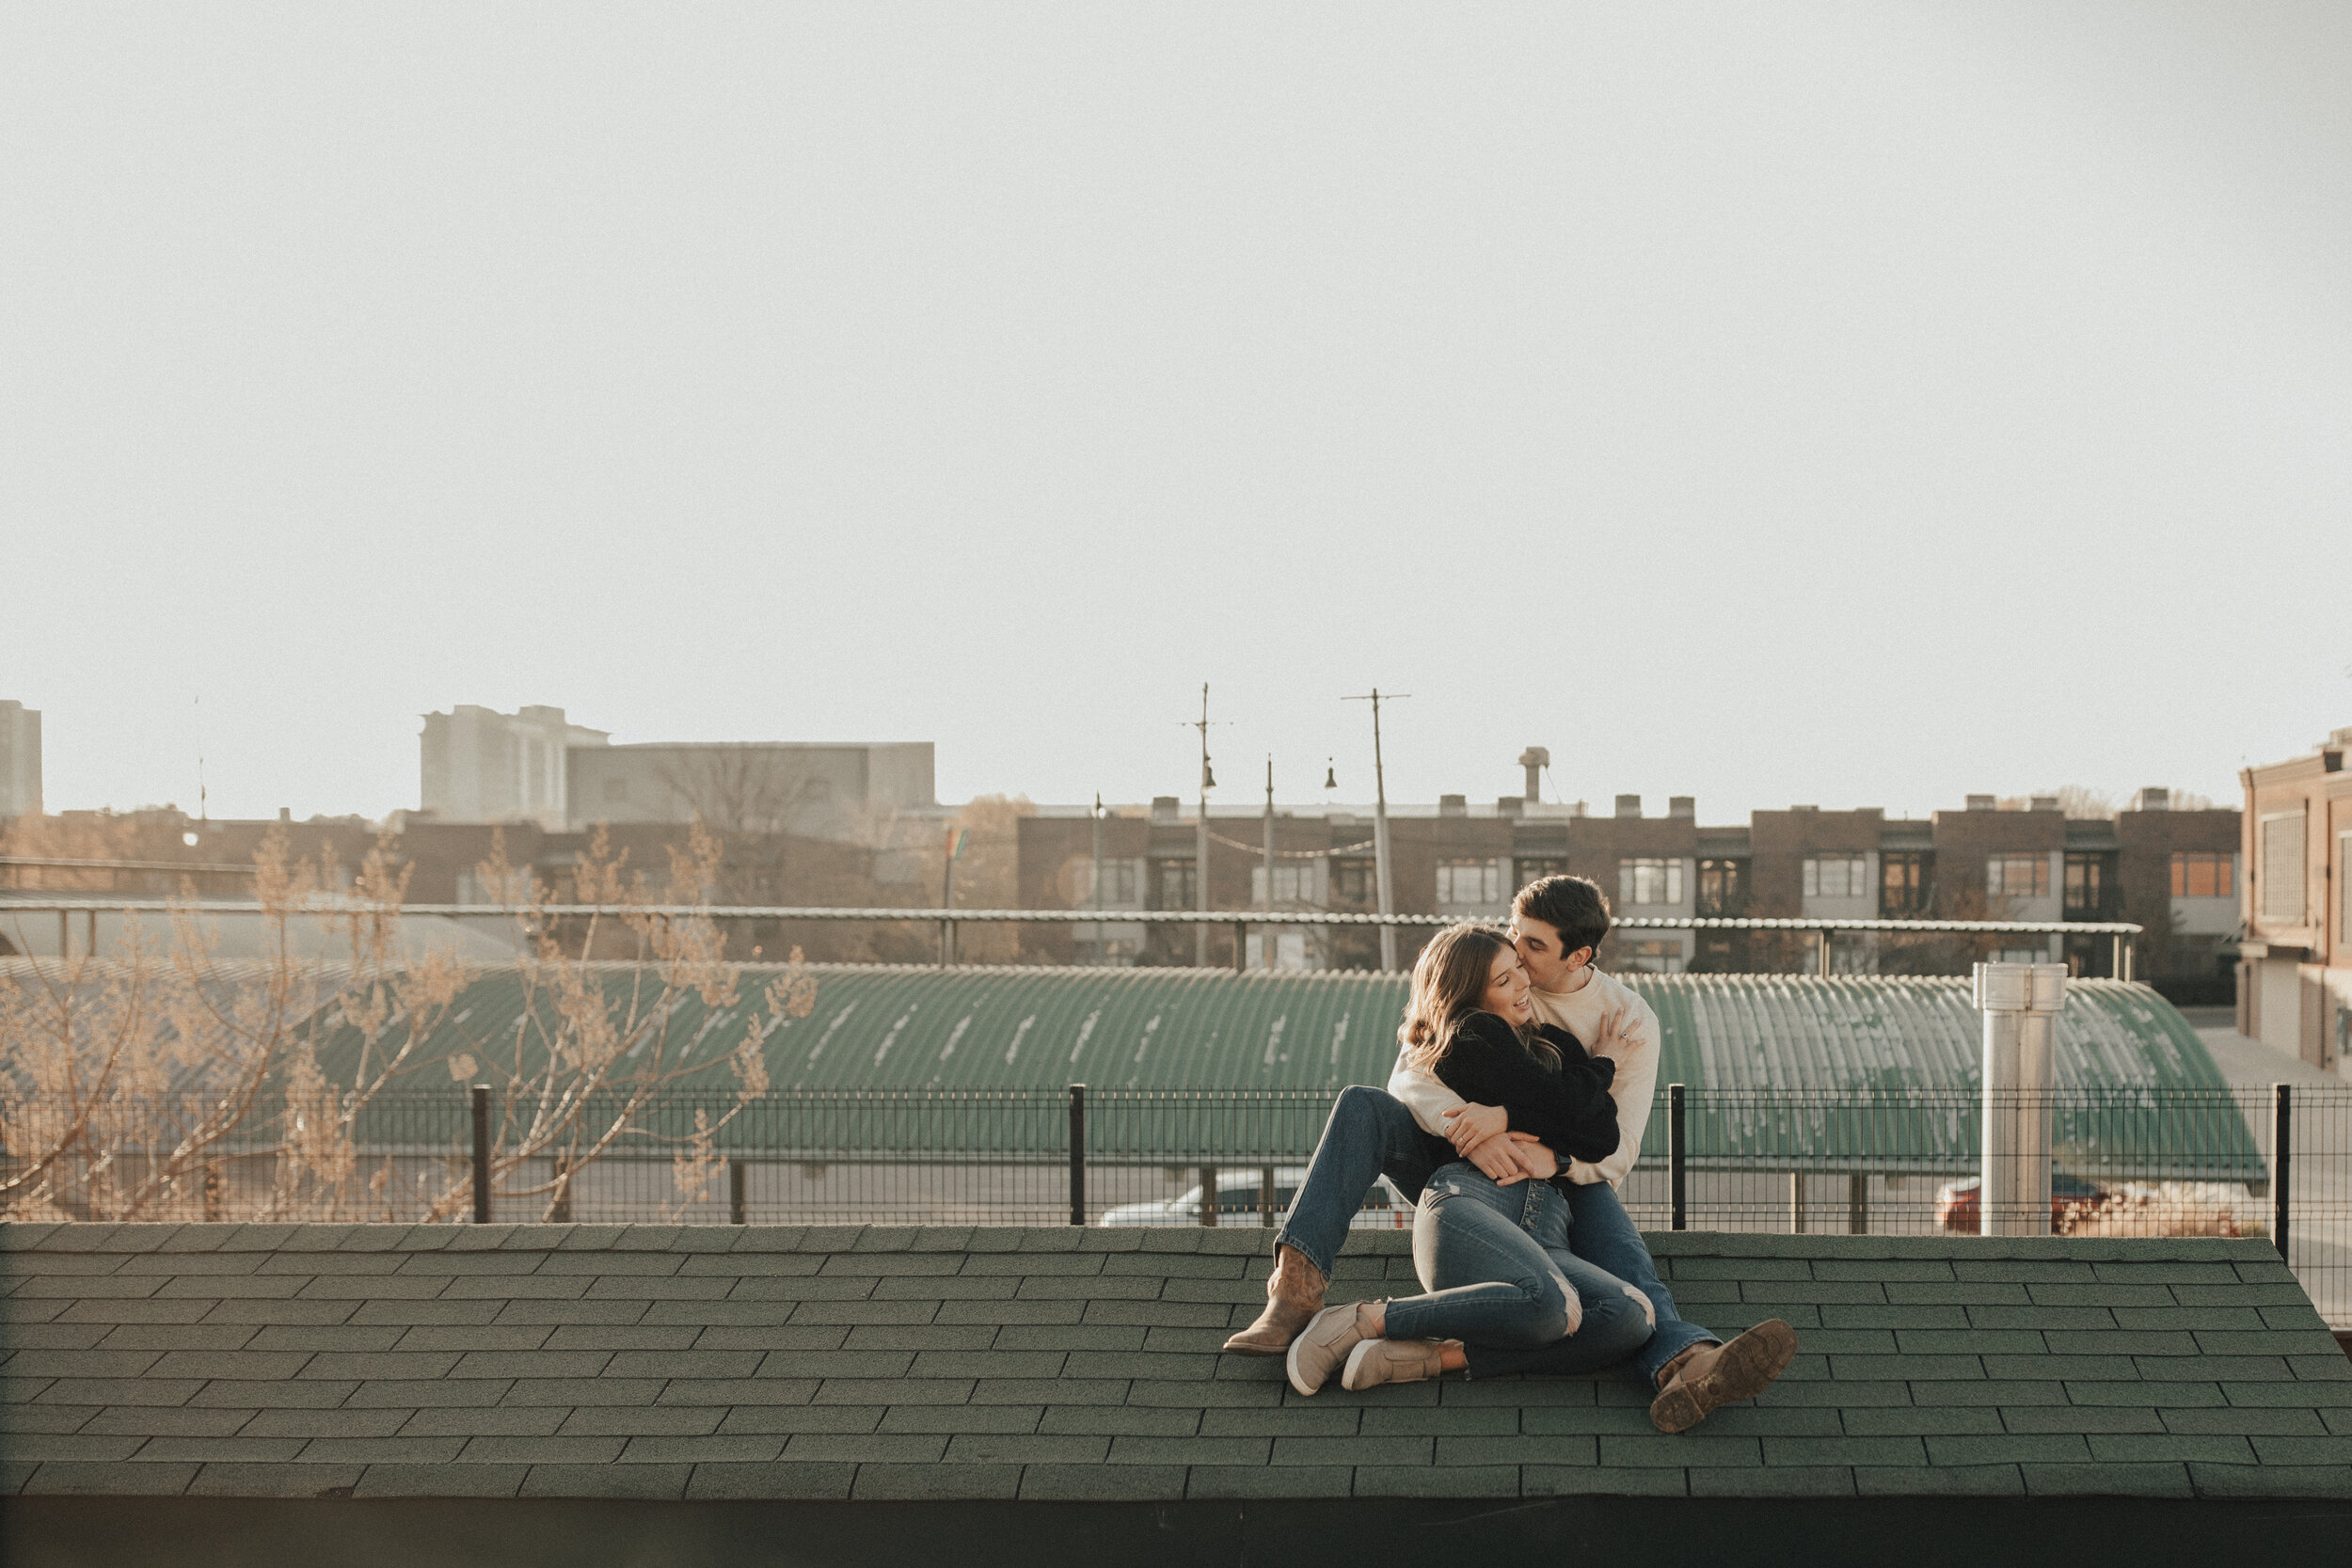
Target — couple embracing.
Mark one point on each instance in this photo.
(1509, 1131)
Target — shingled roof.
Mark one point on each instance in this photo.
(868, 1363)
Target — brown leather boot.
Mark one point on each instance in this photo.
(1705, 1377)
(1294, 1294)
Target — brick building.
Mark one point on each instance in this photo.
(2296, 897)
(161, 852)
(2149, 863)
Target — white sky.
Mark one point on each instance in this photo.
(1850, 404)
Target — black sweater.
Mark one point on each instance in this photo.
(1570, 1107)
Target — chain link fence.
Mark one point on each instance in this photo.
(2225, 1161)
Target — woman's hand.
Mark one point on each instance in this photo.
(1472, 1125)
(1534, 1154)
(1613, 1041)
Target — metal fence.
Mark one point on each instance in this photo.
(2245, 1161)
(1818, 933)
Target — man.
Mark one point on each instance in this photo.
(1556, 922)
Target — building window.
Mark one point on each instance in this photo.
(1178, 888)
(2017, 877)
(2344, 887)
(1293, 884)
(1654, 957)
(1471, 882)
(1836, 876)
(2200, 875)
(1905, 886)
(1355, 881)
(2282, 868)
(1649, 881)
(1536, 867)
(2086, 886)
(1722, 888)
(1121, 885)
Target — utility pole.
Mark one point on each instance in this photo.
(947, 894)
(1265, 935)
(1200, 851)
(1097, 877)
(1381, 863)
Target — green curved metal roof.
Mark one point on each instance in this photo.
(1846, 1072)
(907, 1027)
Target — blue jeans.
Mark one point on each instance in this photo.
(1500, 1278)
(1603, 1234)
(1369, 1132)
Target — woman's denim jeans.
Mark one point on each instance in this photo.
(1500, 1278)
(1370, 1133)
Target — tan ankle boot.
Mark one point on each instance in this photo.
(1292, 1296)
(1707, 1377)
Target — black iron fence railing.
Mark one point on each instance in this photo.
(2225, 1161)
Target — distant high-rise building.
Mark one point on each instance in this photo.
(483, 766)
(20, 760)
(532, 764)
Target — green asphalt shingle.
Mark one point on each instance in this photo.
(875, 1363)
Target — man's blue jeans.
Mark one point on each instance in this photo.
(1370, 1134)
(1602, 1234)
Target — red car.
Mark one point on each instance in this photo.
(1956, 1204)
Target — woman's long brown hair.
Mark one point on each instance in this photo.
(1449, 981)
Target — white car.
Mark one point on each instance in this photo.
(1237, 1195)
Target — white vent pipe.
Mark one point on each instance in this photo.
(2021, 1004)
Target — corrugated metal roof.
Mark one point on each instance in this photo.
(910, 1027)
(1848, 1072)
(1893, 1033)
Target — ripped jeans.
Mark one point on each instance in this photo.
(1500, 1278)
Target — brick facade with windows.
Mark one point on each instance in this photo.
(1448, 859)
(2294, 893)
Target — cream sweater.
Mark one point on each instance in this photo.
(1587, 1013)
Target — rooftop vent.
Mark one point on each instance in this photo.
(1804, 808)
(1628, 805)
(2041, 802)
(1685, 807)
(1982, 803)
(1163, 808)
(1453, 806)
(1534, 759)
(2154, 798)
(1508, 805)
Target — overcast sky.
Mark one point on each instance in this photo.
(1847, 404)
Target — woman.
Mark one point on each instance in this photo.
(1503, 1291)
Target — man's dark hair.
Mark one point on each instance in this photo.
(1573, 906)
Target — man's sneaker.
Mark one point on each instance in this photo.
(1323, 1346)
(1373, 1362)
(1707, 1377)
